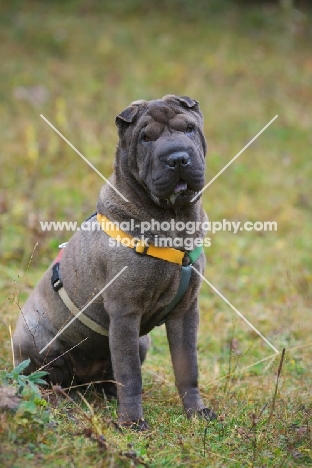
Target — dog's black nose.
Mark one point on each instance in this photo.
(180, 158)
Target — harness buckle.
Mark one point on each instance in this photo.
(186, 259)
(140, 247)
(56, 279)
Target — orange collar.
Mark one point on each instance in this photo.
(168, 254)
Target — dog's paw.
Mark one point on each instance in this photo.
(139, 425)
(207, 413)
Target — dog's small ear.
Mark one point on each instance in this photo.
(127, 115)
(187, 101)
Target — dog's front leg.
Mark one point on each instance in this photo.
(124, 348)
(182, 336)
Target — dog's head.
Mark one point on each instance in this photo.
(163, 146)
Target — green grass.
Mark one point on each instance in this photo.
(79, 64)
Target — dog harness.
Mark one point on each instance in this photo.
(163, 253)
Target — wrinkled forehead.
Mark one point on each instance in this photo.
(161, 112)
(159, 115)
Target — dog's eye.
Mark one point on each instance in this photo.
(189, 129)
(146, 138)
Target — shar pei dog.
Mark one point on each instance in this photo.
(88, 318)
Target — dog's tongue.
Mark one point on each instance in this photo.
(180, 187)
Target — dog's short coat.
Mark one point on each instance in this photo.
(159, 167)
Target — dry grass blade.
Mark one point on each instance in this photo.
(12, 348)
(279, 372)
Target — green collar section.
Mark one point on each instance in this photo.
(195, 254)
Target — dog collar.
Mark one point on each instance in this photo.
(168, 254)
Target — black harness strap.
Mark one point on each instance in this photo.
(184, 282)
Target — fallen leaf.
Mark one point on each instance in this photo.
(8, 398)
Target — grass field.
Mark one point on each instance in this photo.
(79, 63)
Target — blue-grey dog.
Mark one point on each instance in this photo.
(159, 169)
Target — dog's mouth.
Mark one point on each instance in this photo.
(180, 189)
(182, 193)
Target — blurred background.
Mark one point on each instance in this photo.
(80, 63)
